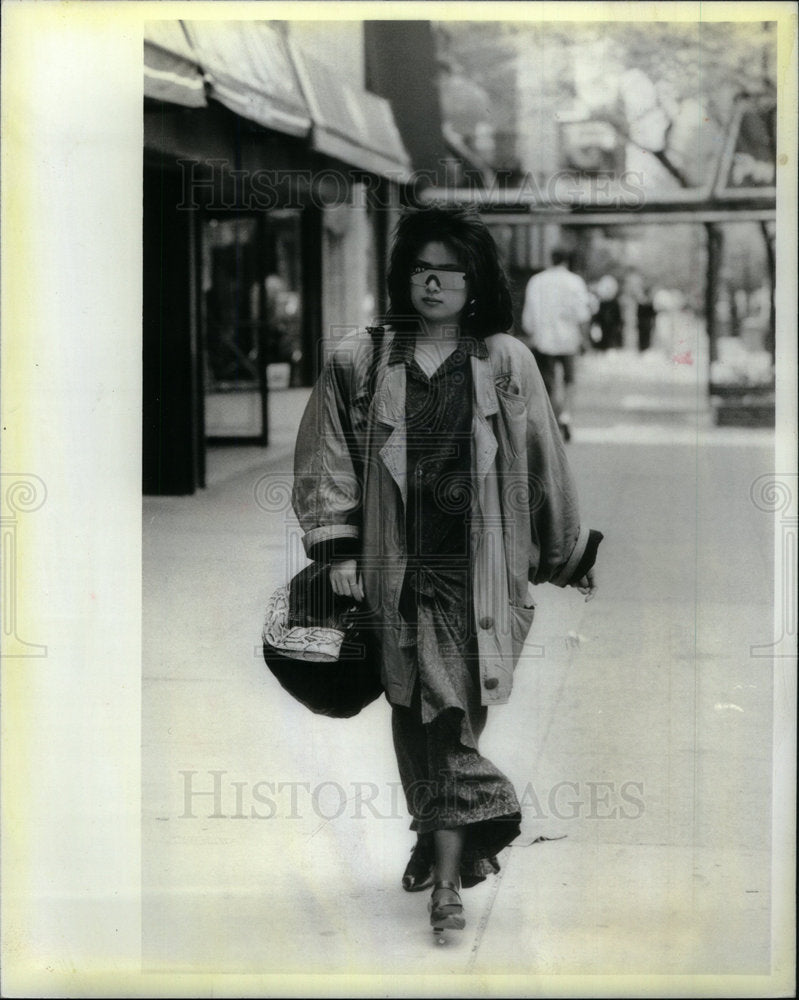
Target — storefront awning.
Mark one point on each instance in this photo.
(248, 69)
(171, 72)
(354, 126)
(260, 74)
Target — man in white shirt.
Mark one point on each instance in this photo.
(557, 310)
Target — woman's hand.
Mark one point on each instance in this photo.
(344, 579)
(587, 585)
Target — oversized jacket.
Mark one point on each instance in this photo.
(350, 493)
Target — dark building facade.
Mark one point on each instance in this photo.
(270, 184)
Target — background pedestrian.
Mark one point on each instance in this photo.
(557, 310)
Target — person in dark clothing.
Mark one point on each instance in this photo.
(608, 315)
(438, 490)
(646, 320)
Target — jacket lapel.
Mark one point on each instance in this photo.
(390, 411)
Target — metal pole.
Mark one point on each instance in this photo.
(714, 245)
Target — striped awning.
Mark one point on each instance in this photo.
(248, 69)
(354, 126)
(171, 72)
(255, 70)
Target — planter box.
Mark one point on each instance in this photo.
(742, 405)
(730, 390)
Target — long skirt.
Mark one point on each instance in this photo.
(446, 781)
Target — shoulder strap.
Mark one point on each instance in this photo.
(376, 333)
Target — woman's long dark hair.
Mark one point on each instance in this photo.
(466, 233)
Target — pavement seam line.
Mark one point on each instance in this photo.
(486, 916)
(483, 922)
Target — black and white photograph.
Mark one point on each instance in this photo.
(399, 499)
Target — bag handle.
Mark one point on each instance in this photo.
(376, 333)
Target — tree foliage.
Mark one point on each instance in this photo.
(704, 63)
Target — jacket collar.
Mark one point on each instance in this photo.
(390, 394)
(404, 342)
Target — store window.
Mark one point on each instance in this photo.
(252, 319)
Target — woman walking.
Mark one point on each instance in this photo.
(430, 474)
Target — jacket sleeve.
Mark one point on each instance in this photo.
(563, 549)
(326, 494)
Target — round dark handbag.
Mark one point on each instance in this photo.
(321, 648)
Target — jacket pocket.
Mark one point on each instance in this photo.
(509, 391)
(513, 415)
(521, 621)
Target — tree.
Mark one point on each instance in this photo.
(658, 83)
(668, 88)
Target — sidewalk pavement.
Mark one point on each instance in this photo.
(224, 462)
(638, 736)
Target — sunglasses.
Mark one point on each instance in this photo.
(448, 281)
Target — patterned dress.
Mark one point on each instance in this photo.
(447, 782)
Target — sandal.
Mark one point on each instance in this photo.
(446, 913)
(418, 873)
